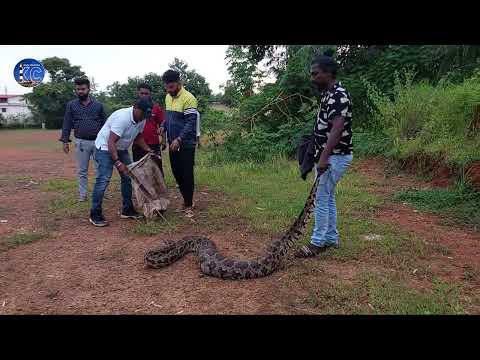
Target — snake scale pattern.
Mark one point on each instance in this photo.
(212, 263)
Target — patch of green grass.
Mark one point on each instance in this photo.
(384, 294)
(157, 226)
(361, 238)
(458, 202)
(59, 185)
(66, 202)
(391, 297)
(20, 238)
(270, 196)
(68, 206)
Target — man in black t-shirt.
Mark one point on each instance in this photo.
(333, 152)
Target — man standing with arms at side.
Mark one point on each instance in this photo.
(181, 128)
(122, 128)
(333, 152)
(151, 130)
(86, 116)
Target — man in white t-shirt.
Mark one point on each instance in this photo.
(123, 128)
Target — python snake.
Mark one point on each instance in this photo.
(212, 263)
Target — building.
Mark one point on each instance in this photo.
(13, 105)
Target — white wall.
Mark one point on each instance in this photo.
(12, 110)
(15, 106)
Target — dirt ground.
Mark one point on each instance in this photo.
(79, 269)
(461, 245)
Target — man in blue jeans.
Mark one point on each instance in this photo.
(123, 128)
(86, 116)
(333, 152)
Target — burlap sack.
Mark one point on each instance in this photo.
(149, 188)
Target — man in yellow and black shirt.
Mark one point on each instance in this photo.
(181, 127)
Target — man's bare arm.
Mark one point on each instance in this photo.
(140, 141)
(338, 124)
(112, 147)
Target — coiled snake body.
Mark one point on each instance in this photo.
(212, 263)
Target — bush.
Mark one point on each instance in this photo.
(438, 122)
(17, 121)
(371, 143)
(214, 123)
(48, 100)
(260, 145)
(268, 124)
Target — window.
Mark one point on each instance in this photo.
(4, 109)
(3, 100)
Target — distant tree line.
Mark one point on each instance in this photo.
(47, 100)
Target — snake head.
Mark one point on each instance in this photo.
(161, 256)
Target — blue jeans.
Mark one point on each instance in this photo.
(104, 174)
(84, 151)
(325, 232)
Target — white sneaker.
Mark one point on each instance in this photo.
(189, 213)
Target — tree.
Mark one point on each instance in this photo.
(60, 69)
(124, 94)
(274, 115)
(47, 101)
(243, 70)
(453, 62)
(193, 81)
(179, 66)
(231, 96)
(218, 97)
(274, 56)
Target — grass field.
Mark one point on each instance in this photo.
(380, 268)
(458, 202)
(270, 196)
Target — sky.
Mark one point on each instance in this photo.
(110, 63)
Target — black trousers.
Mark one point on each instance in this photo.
(138, 153)
(182, 163)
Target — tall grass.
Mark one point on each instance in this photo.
(438, 122)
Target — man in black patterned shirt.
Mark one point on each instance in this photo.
(86, 116)
(333, 152)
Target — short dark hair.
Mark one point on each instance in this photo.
(170, 76)
(82, 81)
(326, 62)
(144, 104)
(144, 86)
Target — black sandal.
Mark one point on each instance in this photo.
(310, 250)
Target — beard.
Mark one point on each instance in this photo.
(83, 97)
